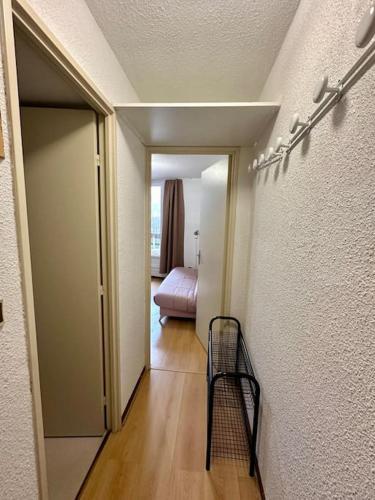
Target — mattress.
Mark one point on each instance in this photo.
(177, 295)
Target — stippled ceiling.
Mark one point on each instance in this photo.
(195, 50)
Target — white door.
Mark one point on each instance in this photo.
(61, 176)
(212, 246)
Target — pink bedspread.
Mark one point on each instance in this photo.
(178, 292)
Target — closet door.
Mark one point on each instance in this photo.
(212, 246)
(60, 148)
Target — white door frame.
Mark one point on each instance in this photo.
(20, 13)
(233, 153)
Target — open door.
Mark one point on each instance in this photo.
(61, 176)
(212, 245)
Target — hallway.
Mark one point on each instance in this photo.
(160, 452)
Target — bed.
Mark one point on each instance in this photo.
(177, 295)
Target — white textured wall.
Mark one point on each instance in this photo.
(310, 311)
(85, 42)
(131, 234)
(192, 199)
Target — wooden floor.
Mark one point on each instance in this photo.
(160, 452)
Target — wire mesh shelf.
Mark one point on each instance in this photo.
(233, 395)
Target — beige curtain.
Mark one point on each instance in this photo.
(172, 236)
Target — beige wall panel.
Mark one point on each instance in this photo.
(131, 252)
(62, 201)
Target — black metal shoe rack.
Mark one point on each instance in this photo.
(233, 395)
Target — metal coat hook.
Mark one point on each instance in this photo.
(270, 153)
(279, 145)
(273, 155)
(253, 166)
(366, 27)
(323, 93)
(295, 122)
(261, 160)
(322, 88)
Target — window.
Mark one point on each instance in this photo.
(155, 220)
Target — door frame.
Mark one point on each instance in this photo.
(233, 153)
(19, 12)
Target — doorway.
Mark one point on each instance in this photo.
(50, 100)
(62, 194)
(64, 184)
(207, 184)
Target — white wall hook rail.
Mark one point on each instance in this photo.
(299, 129)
